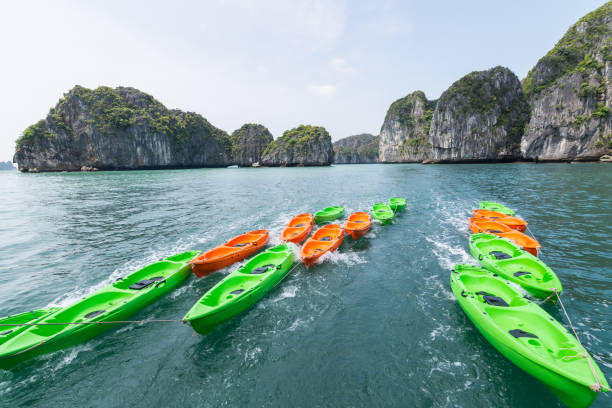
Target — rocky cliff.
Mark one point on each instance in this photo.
(480, 118)
(249, 143)
(305, 145)
(120, 128)
(404, 136)
(570, 91)
(355, 149)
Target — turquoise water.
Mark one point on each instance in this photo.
(375, 325)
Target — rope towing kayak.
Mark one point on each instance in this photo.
(116, 321)
(597, 386)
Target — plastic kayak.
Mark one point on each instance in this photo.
(397, 203)
(76, 323)
(325, 239)
(525, 334)
(8, 331)
(298, 228)
(507, 259)
(490, 205)
(234, 250)
(240, 289)
(329, 214)
(501, 230)
(382, 212)
(513, 222)
(357, 224)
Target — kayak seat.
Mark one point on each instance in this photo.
(359, 222)
(327, 238)
(500, 255)
(298, 225)
(521, 273)
(494, 231)
(145, 283)
(236, 292)
(492, 299)
(240, 245)
(517, 333)
(91, 315)
(261, 269)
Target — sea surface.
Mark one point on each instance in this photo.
(374, 325)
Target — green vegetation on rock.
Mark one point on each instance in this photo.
(401, 110)
(573, 53)
(111, 110)
(299, 138)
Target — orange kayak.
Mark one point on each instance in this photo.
(493, 227)
(234, 250)
(358, 224)
(513, 222)
(325, 239)
(298, 228)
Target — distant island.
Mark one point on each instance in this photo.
(559, 112)
(7, 165)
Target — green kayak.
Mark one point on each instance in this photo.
(57, 330)
(329, 214)
(397, 203)
(490, 205)
(504, 257)
(382, 212)
(9, 332)
(527, 335)
(241, 289)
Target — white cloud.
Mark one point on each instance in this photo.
(341, 66)
(323, 90)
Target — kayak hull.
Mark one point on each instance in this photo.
(383, 213)
(541, 346)
(112, 303)
(358, 224)
(507, 259)
(329, 214)
(232, 251)
(501, 230)
(298, 229)
(490, 205)
(512, 222)
(397, 203)
(326, 239)
(240, 289)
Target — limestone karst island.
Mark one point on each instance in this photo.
(306, 204)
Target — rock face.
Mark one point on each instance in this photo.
(121, 128)
(356, 149)
(480, 118)
(405, 131)
(305, 145)
(570, 91)
(248, 144)
(6, 166)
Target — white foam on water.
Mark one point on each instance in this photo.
(299, 323)
(129, 267)
(252, 354)
(348, 258)
(448, 255)
(287, 293)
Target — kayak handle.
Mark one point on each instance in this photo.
(161, 282)
(480, 257)
(463, 293)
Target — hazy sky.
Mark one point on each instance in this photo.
(279, 63)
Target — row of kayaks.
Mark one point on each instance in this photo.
(492, 297)
(27, 335)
